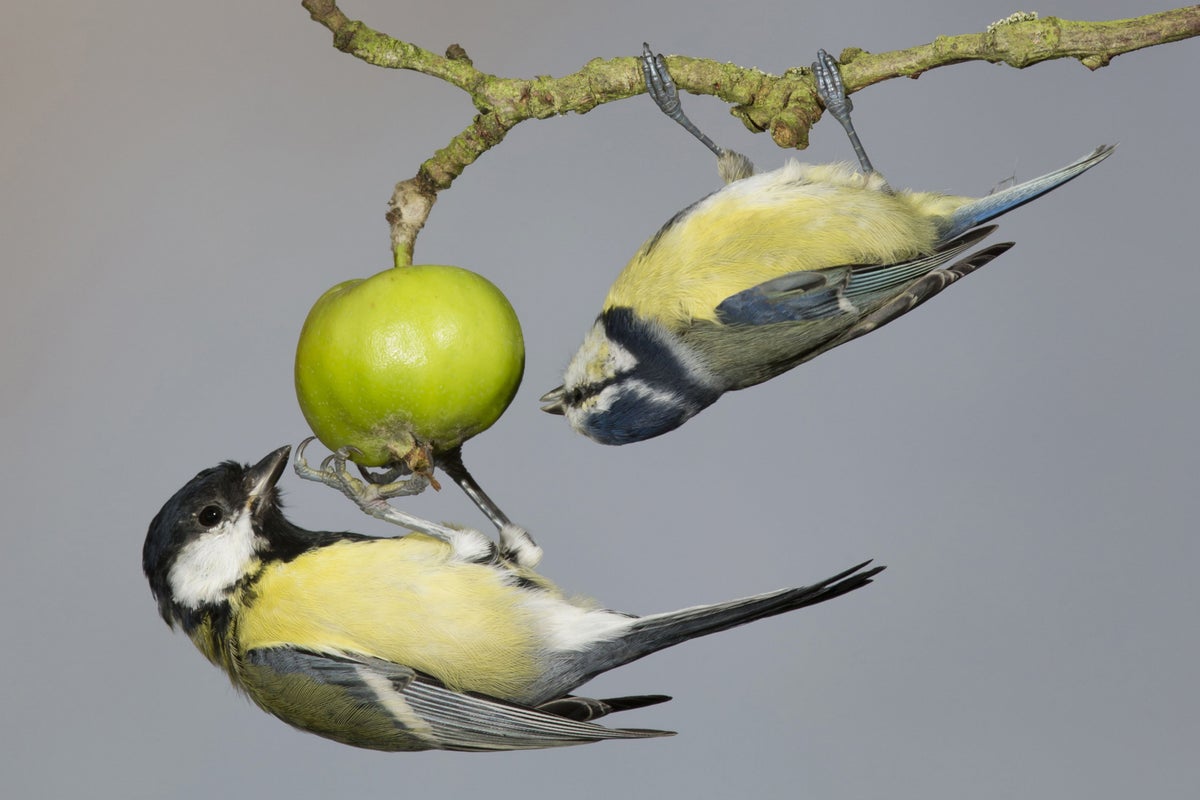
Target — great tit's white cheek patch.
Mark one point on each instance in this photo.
(208, 567)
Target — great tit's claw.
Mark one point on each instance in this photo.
(371, 494)
(371, 497)
(388, 476)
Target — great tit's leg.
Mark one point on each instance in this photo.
(370, 497)
(832, 92)
(731, 165)
(515, 542)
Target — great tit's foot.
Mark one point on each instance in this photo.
(390, 475)
(516, 545)
(832, 92)
(369, 496)
(662, 89)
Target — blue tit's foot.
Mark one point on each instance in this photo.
(662, 89)
(832, 92)
(368, 495)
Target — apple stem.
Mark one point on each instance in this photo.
(408, 209)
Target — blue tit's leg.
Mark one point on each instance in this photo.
(515, 542)
(832, 92)
(731, 165)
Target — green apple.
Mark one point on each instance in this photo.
(412, 361)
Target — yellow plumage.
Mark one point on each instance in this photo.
(405, 600)
(799, 217)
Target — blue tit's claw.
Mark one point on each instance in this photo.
(832, 91)
(665, 94)
(830, 87)
(659, 83)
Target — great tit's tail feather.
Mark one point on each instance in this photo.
(658, 631)
(992, 206)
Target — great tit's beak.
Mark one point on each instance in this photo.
(262, 477)
(554, 401)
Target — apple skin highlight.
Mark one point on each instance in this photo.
(415, 357)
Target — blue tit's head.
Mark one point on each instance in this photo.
(632, 379)
(211, 534)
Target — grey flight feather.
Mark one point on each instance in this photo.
(389, 706)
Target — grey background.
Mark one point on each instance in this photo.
(179, 182)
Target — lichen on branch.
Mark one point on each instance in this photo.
(784, 105)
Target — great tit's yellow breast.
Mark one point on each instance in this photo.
(800, 217)
(404, 600)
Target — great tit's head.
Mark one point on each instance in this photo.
(210, 535)
(632, 379)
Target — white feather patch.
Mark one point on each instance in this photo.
(469, 544)
(207, 568)
(572, 628)
(392, 700)
(598, 359)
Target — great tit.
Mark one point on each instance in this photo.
(434, 640)
(766, 273)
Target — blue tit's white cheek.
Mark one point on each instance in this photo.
(207, 568)
(596, 404)
(599, 359)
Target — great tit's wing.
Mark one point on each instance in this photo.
(368, 702)
(836, 291)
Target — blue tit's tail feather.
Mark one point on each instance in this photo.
(658, 631)
(992, 206)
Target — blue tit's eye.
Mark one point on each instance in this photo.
(209, 516)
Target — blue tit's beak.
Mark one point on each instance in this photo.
(554, 401)
(260, 479)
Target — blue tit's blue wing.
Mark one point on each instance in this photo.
(919, 291)
(836, 291)
(369, 702)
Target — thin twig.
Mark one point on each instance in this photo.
(784, 105)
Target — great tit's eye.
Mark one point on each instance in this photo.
(209, 516)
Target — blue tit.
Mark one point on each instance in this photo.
(766, 273)
(439, 639)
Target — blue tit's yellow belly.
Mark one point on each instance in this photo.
(800, 217)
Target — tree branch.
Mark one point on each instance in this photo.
(785, 105)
